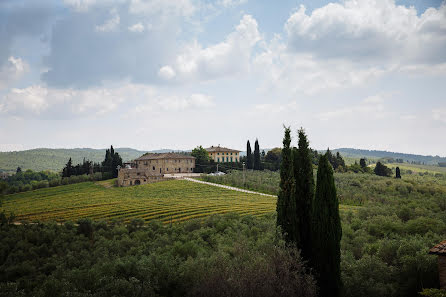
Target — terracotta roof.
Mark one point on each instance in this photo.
(213, 149)
(164, 156)
(439, 249)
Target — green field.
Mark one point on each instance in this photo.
(166, 201)
(169, 201)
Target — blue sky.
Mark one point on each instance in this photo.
(181, 73)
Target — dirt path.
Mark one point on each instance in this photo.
(228, 187)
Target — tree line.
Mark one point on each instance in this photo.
(108, 167)
(308, 214)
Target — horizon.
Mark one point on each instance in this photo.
(241, 150)
(145, 74)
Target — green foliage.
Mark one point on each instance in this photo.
(304, 194)
(433, 293)
(327, 232)
(273, 159)
(249, 156)
(201, 158)
(397, 172)
(220, 256)
(256, 165)
(286, 204)
(382, 170)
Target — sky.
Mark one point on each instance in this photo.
(151, 74)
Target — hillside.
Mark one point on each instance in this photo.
(55, 159)
(374, 154)
(167, 201)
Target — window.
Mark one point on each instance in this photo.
(218, 159)
(227, 154)
(167, 169)
(145, 163)
(231, 154)
(231, 158)
(191, 169)
(218, 153)
(153, 167)
(137, 173)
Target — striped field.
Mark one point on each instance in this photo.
(169, 201)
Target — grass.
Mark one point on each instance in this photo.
(169, 201)
(166, 201)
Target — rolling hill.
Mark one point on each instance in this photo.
(55, 159)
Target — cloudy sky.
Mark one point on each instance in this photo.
(152, 74)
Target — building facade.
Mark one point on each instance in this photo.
(222, 154)
(151, 168)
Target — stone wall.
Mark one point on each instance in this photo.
(165, 166)
(442, 271)
(134, 176)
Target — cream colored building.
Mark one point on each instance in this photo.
(152, 168)
(222, 154)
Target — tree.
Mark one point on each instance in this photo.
(286, 209)
(382, 170)
(362, 163)
(18, 170)
(256, 156)
(111, 162)
(67, 171)
(398, 173)
(327, 232)
(304, 193)
(249, 157)
(201, 158)
(273, 159)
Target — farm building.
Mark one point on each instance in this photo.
(440, 251)
(151, 168)
(223, 154)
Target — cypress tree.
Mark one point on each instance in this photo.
(304, 193)
(248, 156)
(256, 156)
(327, 232)
(398, 173)
(286, 210)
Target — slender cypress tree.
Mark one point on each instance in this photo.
(248, 156)
(327, 232)
(286, 210)
(256, 156)
(398, 173)
(304, 193)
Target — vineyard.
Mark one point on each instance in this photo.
(171, 201)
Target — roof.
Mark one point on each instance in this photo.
(439, 249)
(213, 149)
(153, 156)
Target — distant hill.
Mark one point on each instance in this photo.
(373, 154)
(55, 159)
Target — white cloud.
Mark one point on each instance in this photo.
(183, 8)
(439, 115)
(166, 72)
(138, 27)
(12, 71)
(370, 107)
(110, 24)
(50, 103)
(169, 103)
(229, 57)
(370, 31)
(85, 5)
(232, 3)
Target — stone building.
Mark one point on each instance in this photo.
(151, 168)
(440, 251)
(222, 154)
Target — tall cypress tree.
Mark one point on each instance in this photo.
(286, 210)
(304, 193)
(256, 156)
(248, 156)
(327, 232)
